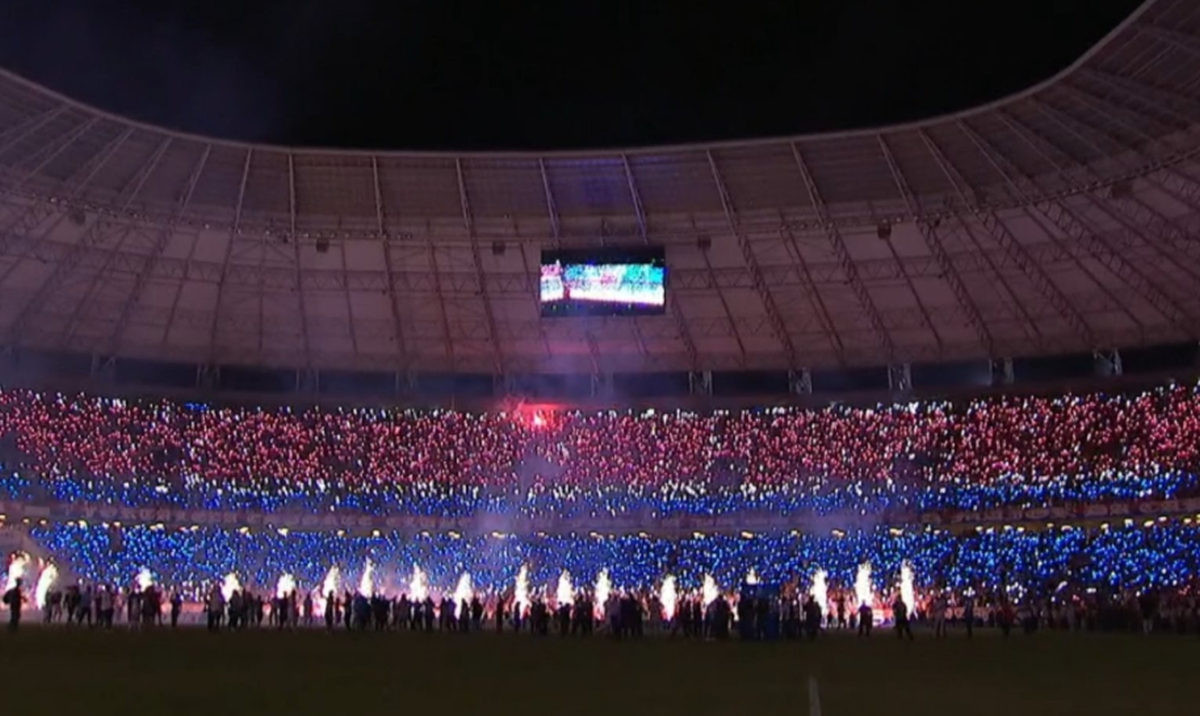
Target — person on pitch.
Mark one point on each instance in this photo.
(14, 599)
(901, 619)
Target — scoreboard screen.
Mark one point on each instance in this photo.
(603, 282)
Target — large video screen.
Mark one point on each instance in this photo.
(603, 282)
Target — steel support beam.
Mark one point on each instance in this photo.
(1141, 214)
(1099, 246)
(234, 230)
(469, 223)
(16, 232)
(1125, 116)
(160, 245)
(1102, 249)
(56, 148)
(111, 254)
(639, 212)
(1069, 250)
(551, 208)
(934, 244)
(389, 268)
(441, 301)
(1180, 41)
(67, 263)
(820, 310)
(673, 306)
(760, 286)
(533, 294)
(13, 135)
(301, 300)
(1161, 98)
(1000, 233)
(843, 256)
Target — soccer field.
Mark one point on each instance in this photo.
(65, 671)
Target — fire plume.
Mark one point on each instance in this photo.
(45, 581)
(820, 590)
(710, 591)
(565, 593)
(418, 585)
(462, 593)
(366, 583)
(144, 579)
(229, 585)
(521, 593)
(907, 593)
(17, 563)
(669, 597)
(285, 585)
(603, 589)
(862, 584)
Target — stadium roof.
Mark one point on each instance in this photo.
(1059, 219)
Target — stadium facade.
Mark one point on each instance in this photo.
(1059, 221)
(1053, 227)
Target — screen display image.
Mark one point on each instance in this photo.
(603, 282)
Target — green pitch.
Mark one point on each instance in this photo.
(63, 671)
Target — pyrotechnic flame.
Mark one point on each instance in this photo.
(45, 581)
(418, 585)
(144, 579)
(820, 590)
(333, 580)
(862, 584)
(565, 594)
(603, 589)
(17, 563)
(669, 597)
(907, 595)
(229, 585)
(285, 585)
(521, 595)
(462, 592)
(366, 583)
(709, 590)
(752, 577)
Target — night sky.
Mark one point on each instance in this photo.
(444, 74)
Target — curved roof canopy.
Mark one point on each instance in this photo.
(1062, 218)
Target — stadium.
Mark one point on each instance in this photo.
(694, 392)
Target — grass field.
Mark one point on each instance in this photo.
(309, 672)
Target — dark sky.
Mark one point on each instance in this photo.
(443, 74)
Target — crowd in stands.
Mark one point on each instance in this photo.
(1004, 451)
(1133, 577)
(1165, 554)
